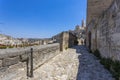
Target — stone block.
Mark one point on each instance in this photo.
(10, 61)
(23, 57)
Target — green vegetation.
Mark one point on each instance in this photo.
(3, 47)
(112, 66)
(9, 46)
(66, 48)
(97, 53)
(90, 51)
(106, 62)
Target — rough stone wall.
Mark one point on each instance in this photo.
(109, 32)
(72, 40)
(66, 40)
(96, 8)
(105, 32)
(41, 54)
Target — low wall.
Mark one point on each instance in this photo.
(66, 40)
(41, 54)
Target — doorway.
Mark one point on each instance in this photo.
(89, 36)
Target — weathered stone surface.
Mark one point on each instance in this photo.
(66, 39)
(64, 66)
(95, 8)
(90, 67)
(13, 71)
(4, 53)
(60, 67)
(10, 61)
(0, 63)
(107, 29)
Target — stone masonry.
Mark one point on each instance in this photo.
(103, 31)
(18, 57)
(66, 40)
(95, 8)
(76, 63)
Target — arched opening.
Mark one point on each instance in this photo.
(89, 36)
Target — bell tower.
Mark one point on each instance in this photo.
(83, 23)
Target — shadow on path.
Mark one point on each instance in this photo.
(89, 66)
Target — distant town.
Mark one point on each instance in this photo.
(10, 42)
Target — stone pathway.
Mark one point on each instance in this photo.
(90, 68)
(64, 66)
(74, 64)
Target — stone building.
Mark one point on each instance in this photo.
(103, 27)
(8, 40)
(80, 32)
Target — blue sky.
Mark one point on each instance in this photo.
(40, 18)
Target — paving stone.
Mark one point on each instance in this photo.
(90, 68)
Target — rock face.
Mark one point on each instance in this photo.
(103, 33)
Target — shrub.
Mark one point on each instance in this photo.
(115, 69)
(3, 47)
(106, 62)
(10, 46)
(90, 51)
(97, 53)
(112, 66)
(66, 48)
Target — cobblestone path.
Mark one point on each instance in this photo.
(89, 66)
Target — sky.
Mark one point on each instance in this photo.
(40, 18)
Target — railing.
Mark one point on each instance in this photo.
(33, 57)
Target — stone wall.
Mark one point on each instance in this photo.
(66, 40)
(41, 54)
(73, 40)
(105, 32)
(96, 8)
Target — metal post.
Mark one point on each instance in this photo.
(27, 65)
(31, 63)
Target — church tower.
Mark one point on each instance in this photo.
(83, 23)
(96, 7)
